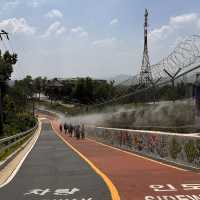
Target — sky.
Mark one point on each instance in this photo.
(97, 38)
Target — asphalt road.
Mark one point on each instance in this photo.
(52, 171)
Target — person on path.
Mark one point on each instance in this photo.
(60, 128)
(82, 132)
(65, 128)
(70, 130)
(78, 132)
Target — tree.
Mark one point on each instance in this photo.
(27, 86)
(79, 92)
(7, 61)
(22, 92)
(44, 84)
(38, 85)
(88, 90)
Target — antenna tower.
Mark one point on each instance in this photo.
(145, 73)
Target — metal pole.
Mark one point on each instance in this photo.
(173, 89)
(173, 78)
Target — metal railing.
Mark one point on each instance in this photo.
(9, 142)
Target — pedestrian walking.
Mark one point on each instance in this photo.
(61, 128)
(82, 132)
(78, 132)
(65, 128)
(70, 130)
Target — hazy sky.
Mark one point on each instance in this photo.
(98, 38)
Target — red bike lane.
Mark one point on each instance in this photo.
(136, 177)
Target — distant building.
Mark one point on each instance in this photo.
(54, 83)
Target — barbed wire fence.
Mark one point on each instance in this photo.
(184, 59)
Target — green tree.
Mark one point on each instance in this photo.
(38, 85)
(79, 92)
(191, 151)
(88, 90)
(175, 148)
(25, 86)
(7, 61)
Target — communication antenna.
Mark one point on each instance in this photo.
(145, 78)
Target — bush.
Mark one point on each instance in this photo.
(22, 122)
(175, 148)
(191, 151)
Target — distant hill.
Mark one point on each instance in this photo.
(127, 80)
(124, 79)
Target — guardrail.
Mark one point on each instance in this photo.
(8, 142)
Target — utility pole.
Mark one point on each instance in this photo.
(2, 82)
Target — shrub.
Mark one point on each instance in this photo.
(21, 122)
(175, 148)
(191, 151)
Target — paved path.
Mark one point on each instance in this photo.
(52, 171)
(137, 178)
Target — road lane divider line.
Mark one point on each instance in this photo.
(113, 190)
(15, 171)
(139, 156)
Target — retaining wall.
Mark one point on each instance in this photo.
(180, 149)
